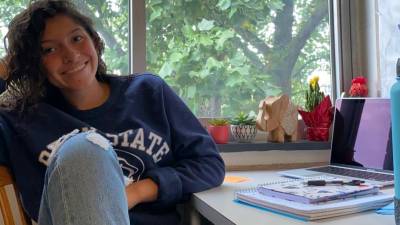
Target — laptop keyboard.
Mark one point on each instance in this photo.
(355, 173)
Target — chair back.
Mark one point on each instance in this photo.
(11, 212)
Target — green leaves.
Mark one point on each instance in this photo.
(166, 69)
(213, 63)
(276, 5)
(205, 40)
(224, 4)
(176, 57)
(220, 55)
(205, 25)
(222, 36)
(191, 91)
(243, 119)
(218, 122)
(155, 14)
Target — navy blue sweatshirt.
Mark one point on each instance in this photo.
(153, 133)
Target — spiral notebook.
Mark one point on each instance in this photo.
(299, 191)
(304, 211)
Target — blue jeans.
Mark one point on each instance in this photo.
(84, 184)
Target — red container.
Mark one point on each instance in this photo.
(317, 133)
(220, 134)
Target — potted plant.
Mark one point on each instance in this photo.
(243, 127)
(219, 130)
(318, 112)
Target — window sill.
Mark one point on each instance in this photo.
(268, 146)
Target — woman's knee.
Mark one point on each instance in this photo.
(86, 149)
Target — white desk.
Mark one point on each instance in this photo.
(217, 206)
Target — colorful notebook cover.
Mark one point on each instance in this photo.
(299, 191)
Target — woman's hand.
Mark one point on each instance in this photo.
(145, 190)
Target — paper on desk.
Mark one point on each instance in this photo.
(235, 179)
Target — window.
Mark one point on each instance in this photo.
(223, 57)
(389, 42)
(110, 18)
(220, 56)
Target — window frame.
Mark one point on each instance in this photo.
(137, 36)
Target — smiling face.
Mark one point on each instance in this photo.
(68, 55)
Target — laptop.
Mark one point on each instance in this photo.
(361, 143)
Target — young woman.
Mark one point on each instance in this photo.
(86, 147)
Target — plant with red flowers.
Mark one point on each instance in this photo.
(359, 87)
(318, 114)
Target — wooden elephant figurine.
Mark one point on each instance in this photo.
(279, 117)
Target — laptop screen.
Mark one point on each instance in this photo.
(362, 133)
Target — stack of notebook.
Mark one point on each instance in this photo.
(297, 199)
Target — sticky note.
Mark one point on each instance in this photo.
(235, 179)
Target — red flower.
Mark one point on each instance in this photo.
(359, 80)
(359, 87)
(358, 90)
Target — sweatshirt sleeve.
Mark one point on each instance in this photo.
(4, 136)
(198, 165)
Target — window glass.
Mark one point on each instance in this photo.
(389, 42)
(110, 18)
(224, 56)
(8, 9)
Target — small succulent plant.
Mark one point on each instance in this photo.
(218, 122)
(243, 119)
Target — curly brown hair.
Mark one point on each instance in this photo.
(27, 81)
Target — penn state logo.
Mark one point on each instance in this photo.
(132, 165)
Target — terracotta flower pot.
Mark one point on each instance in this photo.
(220, 134)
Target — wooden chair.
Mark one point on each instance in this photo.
(11, 212)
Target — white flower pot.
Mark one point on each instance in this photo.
(244, 133)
